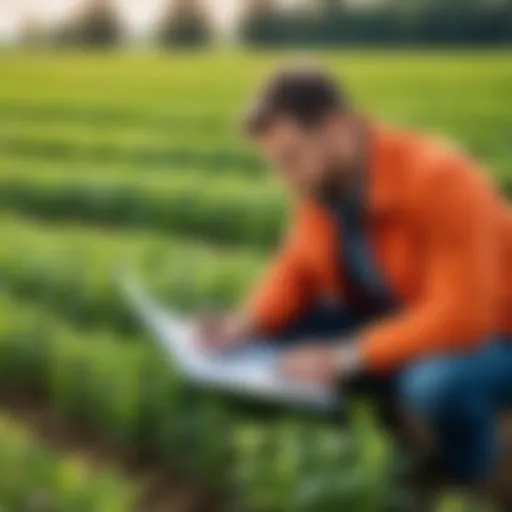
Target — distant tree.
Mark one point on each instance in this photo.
(65, 34)
(185, 23)
(331, 27)
(96, 24)
(33, 33)
(396, 22)
(462, 22)
(330, 6)
(99, 24)
(262, 22)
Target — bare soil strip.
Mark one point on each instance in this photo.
(162, 491)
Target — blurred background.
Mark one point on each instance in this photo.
(119, 151)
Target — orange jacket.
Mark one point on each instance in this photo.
(442, 238)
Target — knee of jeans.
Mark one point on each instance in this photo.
(434, 391)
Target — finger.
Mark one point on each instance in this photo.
(197, 334)
(209, 341)
(208, 324)
(291, 366)
(205, 338)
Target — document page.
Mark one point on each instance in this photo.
(249, 371)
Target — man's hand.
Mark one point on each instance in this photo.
(321, 364)
(222, 331)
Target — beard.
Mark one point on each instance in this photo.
(334, 181)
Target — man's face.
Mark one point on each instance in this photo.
(309, 160)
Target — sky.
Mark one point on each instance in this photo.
(137, 14)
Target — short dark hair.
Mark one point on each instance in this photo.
(304, 94)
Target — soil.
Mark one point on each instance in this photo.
(162, 491)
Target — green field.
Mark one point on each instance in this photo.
(36, 478)
(133, 161)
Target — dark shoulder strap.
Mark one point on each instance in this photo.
(364, 279)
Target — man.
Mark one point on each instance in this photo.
(397, 270)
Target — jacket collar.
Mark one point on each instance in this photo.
(381, 176)
(384, 176)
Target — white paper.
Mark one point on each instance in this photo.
(249, 371)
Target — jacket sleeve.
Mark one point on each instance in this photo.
(456, 212)
(287, 289)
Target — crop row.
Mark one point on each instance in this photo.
(28, 163)
(220, 209)
(75, 271)
(234, 210)
(35, 478)
(128, 396)
(119, 391)
(175, 154)
(128, 134)
(203, 153)
(108, 116)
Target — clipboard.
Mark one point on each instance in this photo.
(249, 373)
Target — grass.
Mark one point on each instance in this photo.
(75, 270)
(223, 209)
(37, 478)
(128, 160)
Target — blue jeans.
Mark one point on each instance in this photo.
(458, 396)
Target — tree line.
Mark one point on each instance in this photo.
(307, 22)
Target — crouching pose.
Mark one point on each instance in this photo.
(396, 272)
